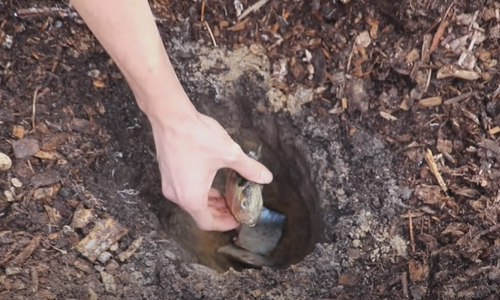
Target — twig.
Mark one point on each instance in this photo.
(434, 169)
(211, 34)
(404, 282)
(202, 18)
(441, 28)
(35, 96)
(410, 229)
(21, 257)
(457, 98)
(252, 8)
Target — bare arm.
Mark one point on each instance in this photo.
(128, 32)
(190, 146)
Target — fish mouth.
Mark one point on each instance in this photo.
(248, 221)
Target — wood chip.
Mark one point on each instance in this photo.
(434, 169)
(418, 271)
(82, 217)
(18, 131)
(494, 130)
(429, 102)
(429, 194)
(256, 6)
(453, 71)
(457, 98)
(426, 54)
(387, 116)
(47, 155)
(83, 265)
(131, 249)
(104, 234)
(21, 257)
(47, 294)
(53, 214)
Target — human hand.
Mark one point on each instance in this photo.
(191, 148)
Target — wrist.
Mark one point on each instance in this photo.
(160, 95)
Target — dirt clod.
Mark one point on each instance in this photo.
(26, 147)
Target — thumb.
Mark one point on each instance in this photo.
(251, 169)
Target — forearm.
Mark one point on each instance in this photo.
(128, 32)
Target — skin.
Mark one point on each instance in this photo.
(191, 147)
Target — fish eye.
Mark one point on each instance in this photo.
(244, 203)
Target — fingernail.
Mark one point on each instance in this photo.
(267, 176)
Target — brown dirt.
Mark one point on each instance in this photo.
(344, 129)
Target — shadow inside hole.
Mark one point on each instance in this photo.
(291, 193)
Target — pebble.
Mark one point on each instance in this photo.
(5, 162)
(494, 274)
(104, 257)
(9, 196)
(16, 182)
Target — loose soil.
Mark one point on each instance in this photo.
(379, 121)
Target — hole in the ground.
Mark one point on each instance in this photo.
(292, 192)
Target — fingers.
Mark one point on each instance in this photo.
(212, 219)
(217, 202)
(213, 193)
(213, 214)
(250, 168)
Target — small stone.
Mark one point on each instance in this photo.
(109, 282)
(25, 147)
(98, 268)
(9, 196)
(16, 182)
(494, 274)
(8, 41)
(356, 243)
(170, 255)
(104, 257)
(114, 247)
(5, 162)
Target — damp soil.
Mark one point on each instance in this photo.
(345, 126)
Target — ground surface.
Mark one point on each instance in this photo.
(346, 98)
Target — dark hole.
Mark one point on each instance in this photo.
(292, 192)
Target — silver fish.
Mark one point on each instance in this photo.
(243, 197)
